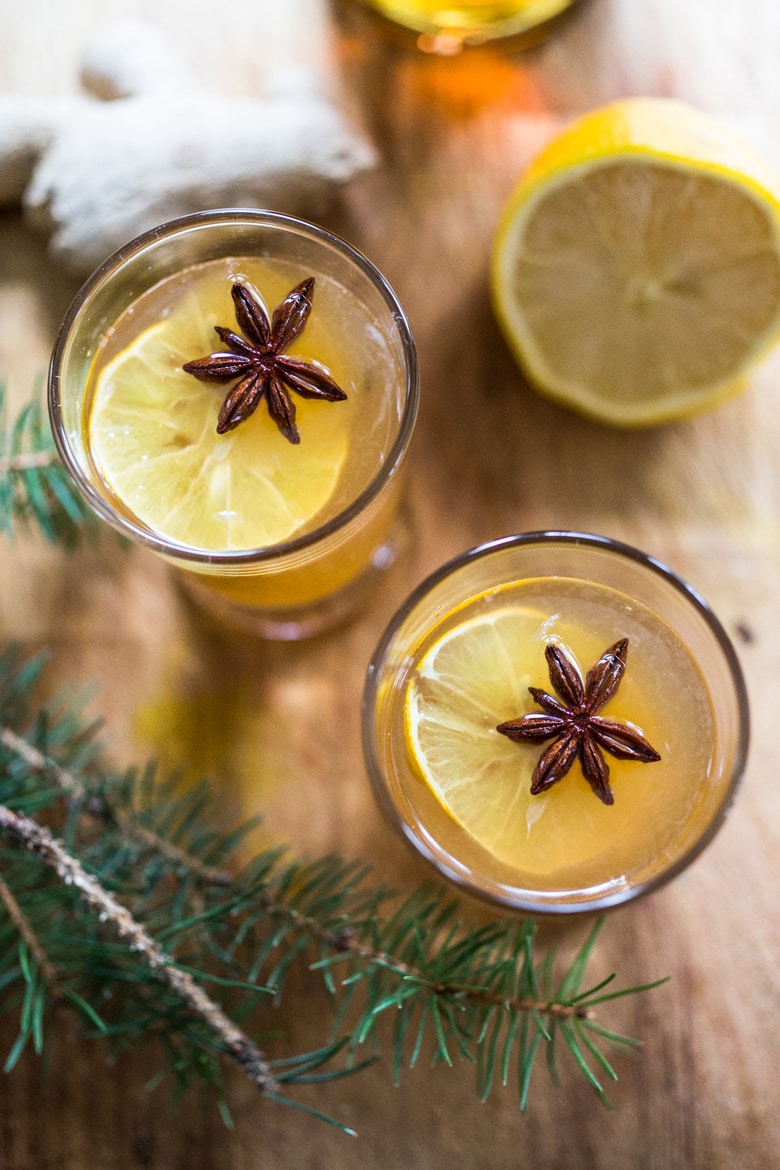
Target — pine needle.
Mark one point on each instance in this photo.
(35, 490)
(118, 900)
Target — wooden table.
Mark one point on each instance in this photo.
(277, 725)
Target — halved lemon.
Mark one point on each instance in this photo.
(467, 683)
(636, 266)
(152, 435)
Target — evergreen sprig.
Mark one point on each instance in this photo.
(35, 491)
(120, 899)
(131, 914)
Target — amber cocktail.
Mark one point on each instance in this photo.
(556, 722)
(236, 391)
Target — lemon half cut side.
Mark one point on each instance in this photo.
(636, 266)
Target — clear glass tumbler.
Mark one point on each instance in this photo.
(338, 514)
(447, 28)
(456, 663)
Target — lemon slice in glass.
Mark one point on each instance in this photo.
(636, 267)
(152, 436)
(467, 683)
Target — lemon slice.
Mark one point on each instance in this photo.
(152, 434)
(467, 683)
(636, 267)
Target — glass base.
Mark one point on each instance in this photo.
(294, 623)
(445, 35)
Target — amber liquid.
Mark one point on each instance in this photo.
(363, 359)
(474, 21)
(566, 841)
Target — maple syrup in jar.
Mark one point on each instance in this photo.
(457, 662)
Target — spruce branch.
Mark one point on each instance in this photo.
(480, 994)
(96, 805)
(50, 850)
(27, 461)
(27, 935)
(35, 490)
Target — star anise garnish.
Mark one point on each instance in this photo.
(574, 725)
(259, 361)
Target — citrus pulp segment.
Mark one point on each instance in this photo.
(152, 436)
(636, 267)
(467, 683)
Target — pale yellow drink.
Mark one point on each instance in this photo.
(269, 532)
(457, 666)
(151, 429)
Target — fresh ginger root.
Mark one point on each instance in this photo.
(94, 173)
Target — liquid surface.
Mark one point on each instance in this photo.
(467, 787)
(151, 427)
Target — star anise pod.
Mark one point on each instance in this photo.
(574, 725)
(259, 361)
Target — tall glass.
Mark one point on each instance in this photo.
(315, 574)
(447, 28)
(455, 665)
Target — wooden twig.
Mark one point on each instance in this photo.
(53, 853)
(29, 936)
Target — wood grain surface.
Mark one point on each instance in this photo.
(277, 725)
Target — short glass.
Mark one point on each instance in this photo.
(316, 576)
(447, 28)
(433, 700)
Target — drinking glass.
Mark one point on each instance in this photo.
(561, 851)
(447, 28)
(317, 576)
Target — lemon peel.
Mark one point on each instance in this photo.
(467, 683)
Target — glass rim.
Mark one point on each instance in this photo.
(201, 220)
(533, 903)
